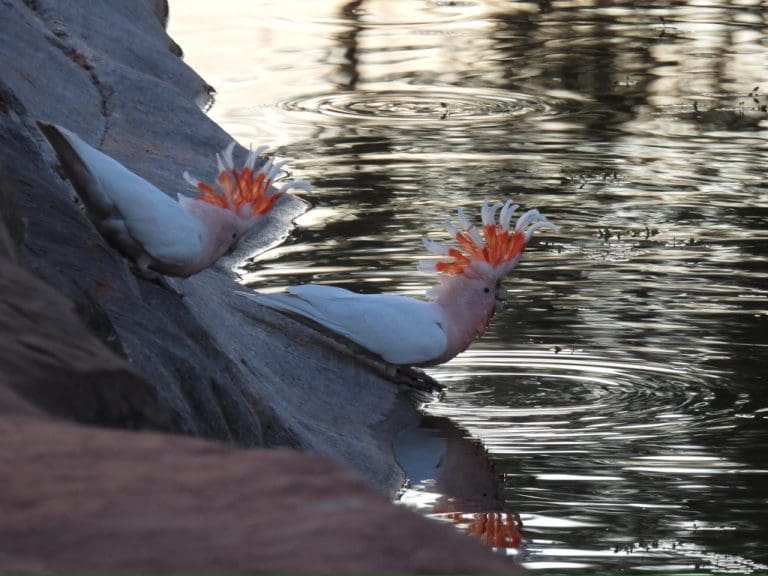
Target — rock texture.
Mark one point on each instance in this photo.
(84, 500)
(209, 363)
(88, 499)
(48, 357)
(86, 346)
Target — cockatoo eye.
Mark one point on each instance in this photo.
(487, 290)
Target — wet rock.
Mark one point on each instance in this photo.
(40, 71)
(12, 403)
(148, 325)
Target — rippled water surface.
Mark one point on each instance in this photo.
(621, 397)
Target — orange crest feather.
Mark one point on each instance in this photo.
(501, 246)
(246, 191)
(236, 188)
(493, 249)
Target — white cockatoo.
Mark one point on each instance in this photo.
(161, 234)
(406, 331)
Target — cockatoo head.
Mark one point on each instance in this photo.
(475, 267)
(248, 193)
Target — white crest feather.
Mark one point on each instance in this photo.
(190, 179)
(429, 266)
(463, 220)
(253, 155)
(220, 164)
(526, 219)
(228, 159)
(275, 169)
(541, 222)
(300, 184)
(450, 228)
(435, 247)
(267, 167)
(250, 161)
(506, 214)
(474, 233)
(488, 213)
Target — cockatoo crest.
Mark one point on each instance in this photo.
(491, 251)
(247, 192)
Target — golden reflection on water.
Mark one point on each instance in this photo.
(621, 395)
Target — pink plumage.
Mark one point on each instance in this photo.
(409, 331)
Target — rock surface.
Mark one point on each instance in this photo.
(82, 500)
(216, 365)
(83, 341)
(48, 358)
(88, 499)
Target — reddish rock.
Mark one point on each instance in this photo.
(11, 403)
(78, 499)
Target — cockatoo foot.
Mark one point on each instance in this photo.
(143, 271)
(169, 284)
(416, 379)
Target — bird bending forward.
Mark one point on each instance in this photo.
(161, 234)
(410, 332)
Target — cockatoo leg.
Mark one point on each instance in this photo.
(416, 379)
(142, 269)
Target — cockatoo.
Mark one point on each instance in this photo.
(405, 331)
(163, 235)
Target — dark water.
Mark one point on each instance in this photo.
(622, 397)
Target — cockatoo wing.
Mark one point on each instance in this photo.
(128, 210)
(400, 329)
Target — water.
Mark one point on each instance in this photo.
(621, 397)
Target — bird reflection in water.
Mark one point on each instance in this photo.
(496, 529)
(453, 480)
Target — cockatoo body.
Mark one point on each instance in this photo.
(161, 234)
(369, 319)
(410, 332)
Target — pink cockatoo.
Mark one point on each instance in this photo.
(161, 234)
(406, 331)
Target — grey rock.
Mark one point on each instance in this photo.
(216, 365)
(51, 79)
(50, 359)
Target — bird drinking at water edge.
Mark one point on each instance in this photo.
(407, 331)
(163, 235)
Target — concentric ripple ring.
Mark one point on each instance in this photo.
(455, 105)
